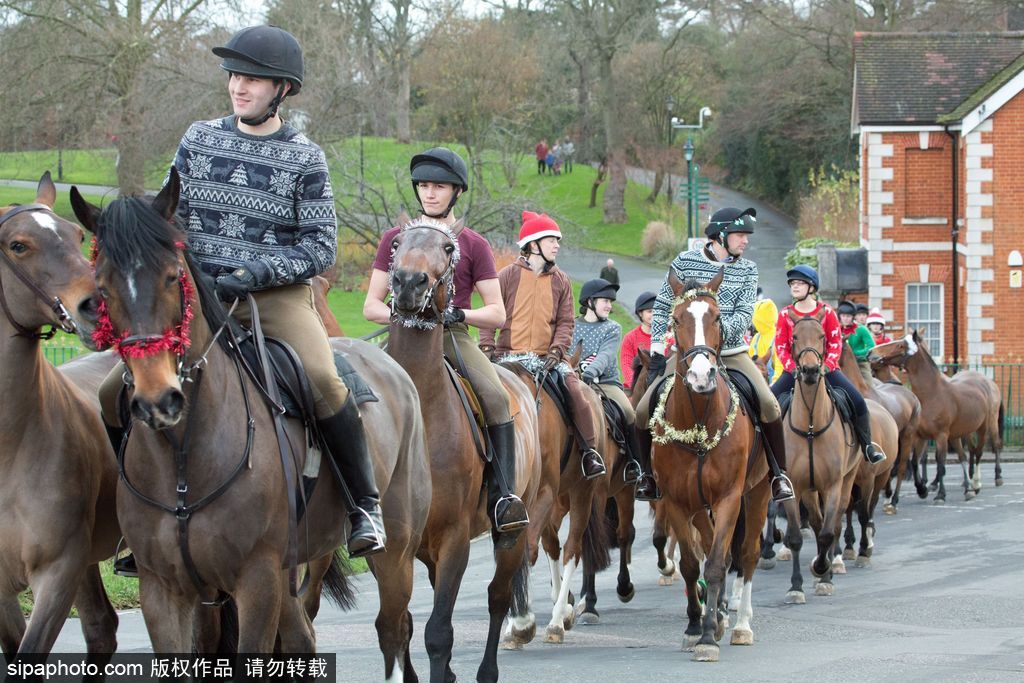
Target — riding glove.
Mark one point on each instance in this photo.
(551, 361)
(655, 368)
(454, 315)
(236, 285)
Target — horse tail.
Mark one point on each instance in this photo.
(520, 605)
(336, 583)
(1002, 422)
(611, 521)
(596, 555)
(227, 644)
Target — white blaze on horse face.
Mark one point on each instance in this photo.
(699, 374)
(911, 344)
(46, 221)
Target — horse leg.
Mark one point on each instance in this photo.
(849, 537)
(438, 634)
(168, 615)
(294, 627)
(726, 513)
(522, 623)
(941, 446)
(867, 531)
(794, 541)
(755, 512)
(258, 595)
(53, 588)
(317, 569)
(586, 607)
(920, 478)
(97, 616)
(963, 460)
(689, 562)
(394, 575)
(510, 567)
(768, 559)
(12, 625)
(626, 534)
(665, 547)
(996, 441)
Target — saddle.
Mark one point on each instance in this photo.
(471, 405)
(842, 401)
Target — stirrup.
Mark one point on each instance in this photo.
(125, 566)
(517, 525)
(632, 472)
(367, 544)
(879, 454)
(782, 479)
(599, 461)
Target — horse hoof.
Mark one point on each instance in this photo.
(922, 492)
(838, 566)
(555, 634)
(933, 486)
(742, 636)
(628, 596)
(816, 574)
(526, 635)
(690, 642)
(665, 580)
(863, 561)
(569, 620)
(999, 481)
(588, 619)
(784, 554)
(889, 509)
(766, 563)
(970, 495)
(705, 653)
(796, 598)
(825, 588)
(848, 554)
(511, 644)
(669, 569)
(939, 501)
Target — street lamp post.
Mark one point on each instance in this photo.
(688, 153)
(670, 104)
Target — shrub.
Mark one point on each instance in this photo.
(830, 211)
(794, 257)
(658, 241)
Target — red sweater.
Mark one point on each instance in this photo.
(635, 340)
(784, 337)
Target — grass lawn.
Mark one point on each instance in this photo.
(19, 195)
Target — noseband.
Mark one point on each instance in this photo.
(64, 319)
(817, 354)
(446, 278)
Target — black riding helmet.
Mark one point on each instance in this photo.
(644, 302)
(264, 52)
(439, 165)
(846, 307)
(862, 308)
(726, 221)
(598, 288)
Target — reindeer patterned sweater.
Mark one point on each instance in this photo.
(263, 202)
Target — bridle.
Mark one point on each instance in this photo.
(811, 432)
(446, 278)
(64, 320)
(712, 354)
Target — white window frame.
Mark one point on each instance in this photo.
(938, 354)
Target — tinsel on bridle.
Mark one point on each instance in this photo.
(446, 278)
(127, 345)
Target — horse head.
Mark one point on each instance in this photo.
(424, 255)
(143, 276)
(896, 352)
(697, 328)
(809, 346)
(45, 279)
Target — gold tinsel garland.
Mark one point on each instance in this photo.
(696, 435)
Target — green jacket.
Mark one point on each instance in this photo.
(859, 339)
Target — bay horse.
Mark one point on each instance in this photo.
(966, 407)
(422, 285)
(822, 457)
(904, 407)
(586, 541)
(203, 446)
(59, 475)
(707, 462)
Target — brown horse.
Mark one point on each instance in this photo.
(904, 407)
(576, 497)
(711, 475)
(212, 458)
(321, 286)
(822, 457)
(953, 409)
(423, 267)
(59, 474)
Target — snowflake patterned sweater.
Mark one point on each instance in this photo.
(263, 202)
(599, 360)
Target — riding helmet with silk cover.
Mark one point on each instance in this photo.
(598, 288)
(264, 52)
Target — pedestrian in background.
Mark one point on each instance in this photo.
(610, 273)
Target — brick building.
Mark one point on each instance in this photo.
(940, 123)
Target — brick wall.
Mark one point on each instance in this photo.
(1008, 233)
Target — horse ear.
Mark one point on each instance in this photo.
(166, 202)
(820, 315)
(918, 334)
(716, 281)
(574, 359)
(46, 192)
(86, 213)
(403, 218)
(674, 283)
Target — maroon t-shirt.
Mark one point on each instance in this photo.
(476, 262)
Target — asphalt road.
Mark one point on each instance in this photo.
(942, 601)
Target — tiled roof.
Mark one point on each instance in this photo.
(918, 77)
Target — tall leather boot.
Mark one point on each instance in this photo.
(123, 566)
(646, 486)
(862, 425)
(775, 454)
(508, 512)
(346, 440)
(632, 471)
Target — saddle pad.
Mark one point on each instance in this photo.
(616, 422)
(748, 397)
(843, 403)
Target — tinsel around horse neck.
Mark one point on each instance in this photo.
(697, 437)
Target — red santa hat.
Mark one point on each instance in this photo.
(875, 316)
(536, 226)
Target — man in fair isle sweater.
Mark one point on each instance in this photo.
(728, 234)
(257, 207)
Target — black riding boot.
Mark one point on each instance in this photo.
(508, 513)
(646, 486)
(346, 441)
(632, 471)
(862, 425)
(592, 463)
(123, 566)
(775, 454)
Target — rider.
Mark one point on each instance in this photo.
(257, 207)
(876, 326)
(538, 324)
(439, 177)
(599, 365)
(857, 336)
(766, 314)
(860, 313)
(728, 233)
(803, 282)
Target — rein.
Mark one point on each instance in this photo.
(65, 321)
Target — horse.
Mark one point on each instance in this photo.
(422, 285)
(904, 407)
(321, 286)
(822, 457)
(706, 458)
(580, 499)
(231, 533)
(957, 408)
(59, 482)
